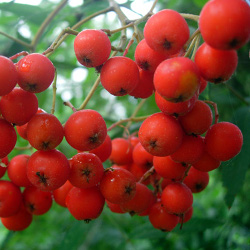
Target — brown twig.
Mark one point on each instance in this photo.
(216, 112)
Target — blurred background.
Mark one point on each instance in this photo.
(221, 218)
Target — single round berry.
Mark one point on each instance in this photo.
(35, 73)
(48, 170)
(44, 131)
(160, 134)
(8, 75)
(223, 141)
(215, 65)
(196, 180)
(86, 170)
(85, 130)
(121, 153)
(19, 106)
(36, 201)
(8, 138)
(17, 170)
(118, 185)
(166, 32)
(177, 79)
(177, 198)
(224, 24)
(161, 219)
(19, 221)
(85, 203)
(92, 47)
(120, 75)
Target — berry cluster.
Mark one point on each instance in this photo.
(153, 174)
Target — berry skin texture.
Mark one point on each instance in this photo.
(167, 168)
(85, 203)
(223, 141)
(177, 198)
(17, 170)
(161, 219)
(61, 193)
(36, 201)
(92, 47)
(85, 130)
(176, 109)
(120, 75)
(198, 120)
(86, 170)
(19, 221)
(48, 170)
(118, 185)
(35, 73)
(19, 106)
(167, 39)
(146, 58)
(216, 65)
(160, 134)
(177, 79)
(196, 180)
(190, 151)
(10, 198)
(104, 150)
(8, 75)
(224, 24)
(8, 138)
(121, 153)
(140, 202)
(44, 131)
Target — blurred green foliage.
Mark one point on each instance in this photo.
(221, 218)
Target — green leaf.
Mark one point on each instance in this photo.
(200, 3)
(234, 171)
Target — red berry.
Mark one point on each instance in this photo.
(146, 58)
(177, 198)
(36, 201)
(160, 134)
(224, 24)
(177, 79)
(61, 193)
(35, 73)
(190, 151)
(167, 168)
(48, 170)
(215, 65)
(19, 221)
(44, 131)
(17, 170)
(92, 47)
(120, 75)
(166, 32)
(223, 141)
(85, 203)
(118, 185)
(4, 162)
(198, 119)
(174, 108)
(85, 130)
(115, 208)
(8, 138)
(18, 106)
(10, 198)
(121, 153)
(196, 180)
(86, 170)
(161, 219)
(8, 75)
(104, 150)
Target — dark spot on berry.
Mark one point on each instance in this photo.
(32, 87)
(167, 45)
(86, 61)
(148, 164)
(198, 186)
(144, 65)
(87, 221)
(122, 92)
(218, 80)
(42, 178)
(45, 145)
(86, 172)
(153, 144)
(128, 189)
(98, 69)
(233, 43)
(94, 138)
(31, 207)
